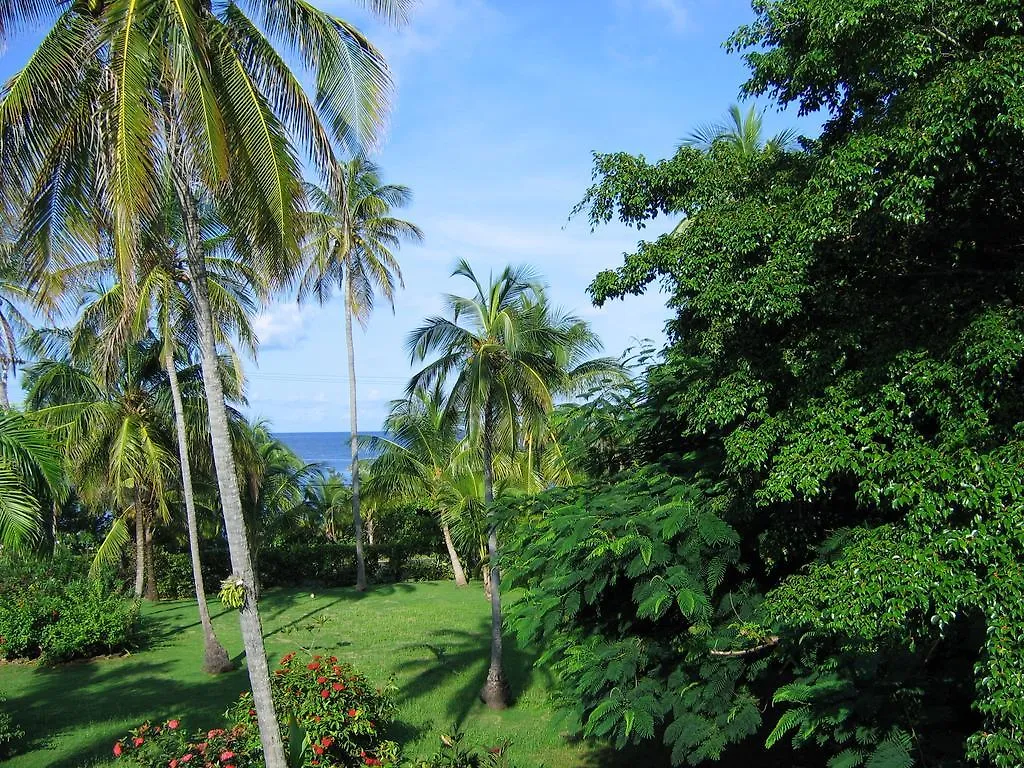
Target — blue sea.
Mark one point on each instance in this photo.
(328, 448)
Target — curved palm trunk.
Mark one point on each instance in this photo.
(457, 569)
(354, 441)
(4, 402)
(495, 692)
(227, 477)
(215, 658)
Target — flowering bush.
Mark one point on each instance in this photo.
(331, 717)
(340, 712)
(166, 745)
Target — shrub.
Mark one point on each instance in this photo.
(453, 754)
(168, 746)
(50, 609)
(10, 733)
(340, 711)
(174, 572)
(331, 716)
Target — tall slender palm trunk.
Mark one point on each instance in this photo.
(227, 477)
(140, 548)
(495, 693)
(152, 593)
(215, 658)
(4, 402)
(453, 555)
(354, 441)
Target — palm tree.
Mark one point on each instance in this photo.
(206, 84)
(163, 307)
(745, 133)
(116, 435)
(327, 503)
(352, 237)
(31, 472)
(505, 365)
(423, 458)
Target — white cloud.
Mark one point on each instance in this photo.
(280, 327)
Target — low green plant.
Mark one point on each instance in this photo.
(454, 754)
(10, 732)
(49, 609)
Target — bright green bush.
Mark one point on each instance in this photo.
(49, 609)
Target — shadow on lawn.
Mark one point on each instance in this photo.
(457, 652)
(63, 699)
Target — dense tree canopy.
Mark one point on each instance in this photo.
(845, 361)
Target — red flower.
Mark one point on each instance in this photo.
(338, 687)
(327, 741)
(313, 665)
(318, 749)
(372, 761)
(334, 659)
(173, 763)
(226, 755)
(325, 693)
(172, 724)
(139, 741)
(117, 749)
(321, 679)
(215, 732)
(186, 757)
(352, 713)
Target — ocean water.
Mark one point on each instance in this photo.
(328, 448)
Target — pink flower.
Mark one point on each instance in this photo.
(226, 755)
(173, 763)
(338, 687)
(325, 693)
(172, 724)
(321, 680)
(186, 757)
(117, 749)
(139, 741)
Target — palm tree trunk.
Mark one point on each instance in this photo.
(495, 692)
(215, 658)
(460, 574)
(354, 438)
(152, 593)
(4, 402)
(227, 477)
(140, 548)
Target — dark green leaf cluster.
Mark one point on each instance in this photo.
(848, 345)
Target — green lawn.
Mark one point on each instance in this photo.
(432, 636)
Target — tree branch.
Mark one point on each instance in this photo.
(768, 643)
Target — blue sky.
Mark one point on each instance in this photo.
(499, 106)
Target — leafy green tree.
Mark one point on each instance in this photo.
(31, 473)
(505, 365)
(208, 86)
(327, 503)
(845, 356)
(352, 239)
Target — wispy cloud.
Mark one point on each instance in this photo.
(282, 326)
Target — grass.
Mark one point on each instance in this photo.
(433, 637)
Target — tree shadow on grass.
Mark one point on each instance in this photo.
(66, 699)
(466, 654)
